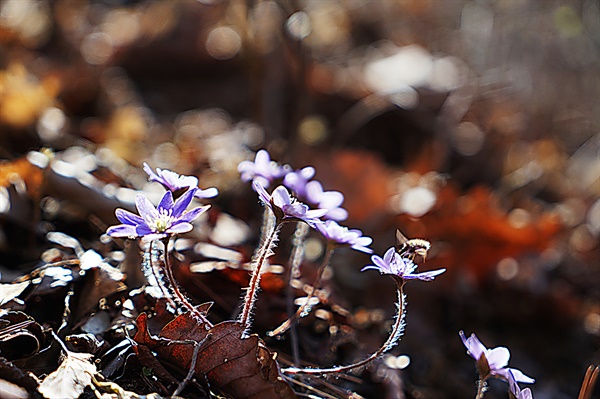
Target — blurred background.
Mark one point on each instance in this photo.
(473, 124)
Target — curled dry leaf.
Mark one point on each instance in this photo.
(70, 379)
(241, 368)
(20, 335)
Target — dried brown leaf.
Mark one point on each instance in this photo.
(241, 368)
(70, 379)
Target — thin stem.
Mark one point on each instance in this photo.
(173, 284)
(155, 273)
(263, 253)
(305, 308)
(481, 388)
(296, 259)
(389, 343)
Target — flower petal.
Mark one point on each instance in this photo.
(331, 199)
(427, 276)
(281, 197)
(381, 264)
(389, 255)
(154, 236)
(127, 217)
(519, 376)
(474, 346)
(151, 175)
(144, 206)
(122, 230)
(315, 213)
(371, 267)
(193, 214)
(183, 202)
(208, 193)
(362, 248)
(262, 193)
(337, 214)
(314, 191)
(497, 357)
(262, 159)
(143, 230)
(166, 202)
(180, 227)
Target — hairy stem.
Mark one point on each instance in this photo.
(481, 388)
(178, 294)
(265, 250)
(391, 341)
(153, 273)
(305, 308)
(296, 259)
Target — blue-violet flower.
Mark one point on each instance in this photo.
(285, 206)
(262, 170)
(343, 236)
(155, 223)
(173, 181)
(515, 390)
(394, 264)
(297, 180)
(330, 200)
(492, 361)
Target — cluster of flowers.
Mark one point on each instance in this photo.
(171, 217)
(263, 171)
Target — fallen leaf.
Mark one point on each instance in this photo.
(70, 379)
(8, 292)
(237, 367)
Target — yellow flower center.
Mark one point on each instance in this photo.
(160, 221)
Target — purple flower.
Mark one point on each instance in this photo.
(296, 181)
(394, 264)
(262, 170)
(286, 207)
(330, 200)
(515, 390)
(156, 223)
(492, 361)
(343, 236)
(173, 181)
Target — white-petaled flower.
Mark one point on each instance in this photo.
(343, 236)
(285, 206)
(262, 170)
(394, 264)
(492, 361)
(173, 181)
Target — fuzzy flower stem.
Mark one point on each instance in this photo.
(305, 308)
(153, 274)
(265, 250)
(389, 343)
(481, 388)
(296, 259)
(201, 318)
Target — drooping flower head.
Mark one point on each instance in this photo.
(285, 206)
(515, 390)
(492, 362)
(343, 236)
(157, 222)
(330, 200)
(174, 182)
(262, 170)
(394, 264)
(297, 180)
